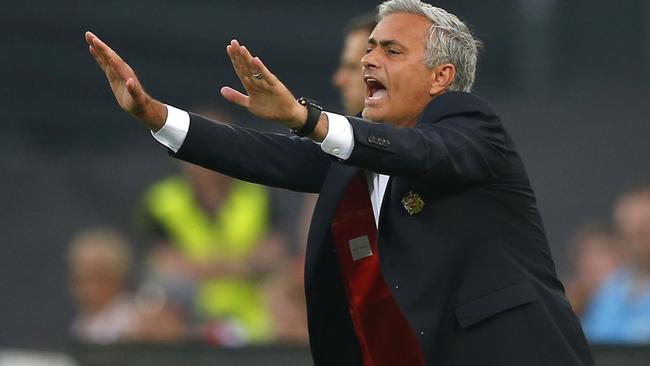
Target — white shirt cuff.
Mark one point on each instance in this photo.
(340, 138)
(173, 132)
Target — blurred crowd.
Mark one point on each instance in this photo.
(218, 270)
(215, 267)
(609, 287)
(220, 261)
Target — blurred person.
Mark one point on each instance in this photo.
(426, 246)
(348, 77)
(213, 251)
(286, 292)
(285, 296)
(100, 262)
(595, 251)
(620, 310)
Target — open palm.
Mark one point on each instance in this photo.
(126, 87)
(268, 98)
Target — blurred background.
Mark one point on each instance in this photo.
(111, 248)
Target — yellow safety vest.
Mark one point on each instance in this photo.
(234, 232)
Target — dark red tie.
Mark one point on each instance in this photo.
(384, 334)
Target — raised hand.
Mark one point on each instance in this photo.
(126, 87)
(267, 97)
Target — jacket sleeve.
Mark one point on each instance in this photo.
(461, 148)
(269, 159)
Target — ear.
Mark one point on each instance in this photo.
(442, 76)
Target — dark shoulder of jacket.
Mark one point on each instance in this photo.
(473, 116)
(453, 104)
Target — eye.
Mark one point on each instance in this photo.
(393, 52)
(368, 50)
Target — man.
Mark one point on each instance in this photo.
(619, 312)
(348, 77)
(100, 262)
(212, 236)
(426, 247)
(595, 252)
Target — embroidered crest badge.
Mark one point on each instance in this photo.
(413, 203)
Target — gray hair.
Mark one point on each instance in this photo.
(449, 40)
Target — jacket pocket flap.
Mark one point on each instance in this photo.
(517, 294)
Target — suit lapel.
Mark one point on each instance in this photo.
(337, 179)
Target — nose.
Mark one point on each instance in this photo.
(369, 60)
(337, 78)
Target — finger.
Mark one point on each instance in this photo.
(112, 60)
(99, 60)
(105, 54)
(234, 96)
(247, 58)
(267, 75)
(255, 65)
(102, 48)
(235, 58)
(255, 68)
(242, 57)
(109, 56)
(89, 36)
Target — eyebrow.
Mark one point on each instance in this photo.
(384, 43)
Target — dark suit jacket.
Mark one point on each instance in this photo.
(472, 272)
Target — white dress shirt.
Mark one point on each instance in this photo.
(338, 142)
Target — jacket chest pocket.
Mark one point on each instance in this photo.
(473, 311)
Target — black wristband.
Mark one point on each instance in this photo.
(313, 115)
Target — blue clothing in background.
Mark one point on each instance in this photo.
(617, 313)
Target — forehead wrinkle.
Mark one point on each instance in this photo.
(385, 42)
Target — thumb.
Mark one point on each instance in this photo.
(234, 96)
(135, 90)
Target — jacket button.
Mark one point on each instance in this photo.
(372, 139)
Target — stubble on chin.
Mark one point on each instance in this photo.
(369, 115)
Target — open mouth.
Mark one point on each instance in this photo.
(376, 90)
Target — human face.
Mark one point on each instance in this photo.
(348, 77)
(633, 218)
(94, 282)
(596, 257)
(398, 83)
